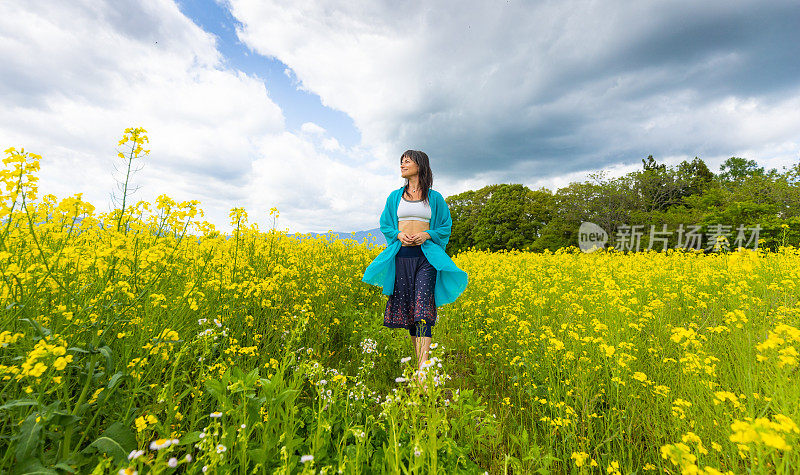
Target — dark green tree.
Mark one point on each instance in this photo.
(695, 175)
(658, 187)
(513, 217)
(503, 216)
(571, 205)
(509, 220)
(736, 169)
(465, 211)
(650, 164)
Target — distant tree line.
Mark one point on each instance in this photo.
(658, 198)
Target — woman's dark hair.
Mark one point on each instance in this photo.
(425, 174)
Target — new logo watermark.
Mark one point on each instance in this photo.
(592, 237)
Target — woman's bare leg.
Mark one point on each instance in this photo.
(424, 346)
(415, 343)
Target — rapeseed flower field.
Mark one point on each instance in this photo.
(143, 340)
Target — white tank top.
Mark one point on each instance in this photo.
(413, 210)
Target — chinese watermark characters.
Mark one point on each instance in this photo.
(628, 237)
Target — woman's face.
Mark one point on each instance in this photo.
(408, 167)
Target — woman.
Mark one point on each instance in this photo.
(414, 269)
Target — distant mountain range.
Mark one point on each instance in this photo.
(377, 238)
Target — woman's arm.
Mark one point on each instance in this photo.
(440, 232)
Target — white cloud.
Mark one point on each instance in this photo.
(331, 144)
(312, 128)
(315, 191)
(76, 74)
(497, 89)
(511, 92)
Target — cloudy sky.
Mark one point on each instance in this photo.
(307, 106)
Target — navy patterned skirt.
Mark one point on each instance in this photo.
(412, 299)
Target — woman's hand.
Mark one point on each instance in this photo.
(406, 238)
(419, 238)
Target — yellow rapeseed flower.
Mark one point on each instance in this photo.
(580, 458)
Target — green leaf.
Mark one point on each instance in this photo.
(284, 395)
(116, 441)
(33, 466)
(52, 415)
(43, 332)
(251, 378)
(109, 447)
(18, 403)
(106, 351)
(258, 455)
(115, 379)
(65, 466)
(63, 418)
(190, 438)
(28, 437)
(216, 388)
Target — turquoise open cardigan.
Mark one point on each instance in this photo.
(450, 280)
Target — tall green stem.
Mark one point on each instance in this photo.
(65, 446)
(125, 189)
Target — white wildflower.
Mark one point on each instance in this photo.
(159, 444)
(135, 454)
